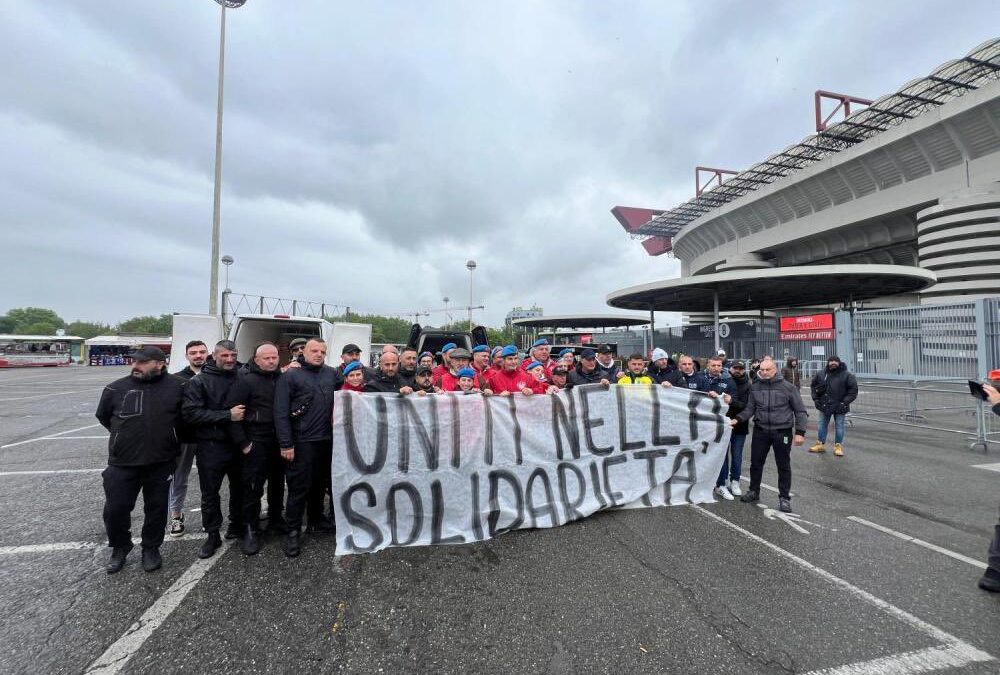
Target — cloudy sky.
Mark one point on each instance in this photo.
(372, 148)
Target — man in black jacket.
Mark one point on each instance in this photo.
(833, 390)
(385, 378)
(728, 482)
(143, 412)
(587, 371)
(990, 581)
(196, 353)
(777, 410)
(254, 437)
(206, 409)
(303, 411)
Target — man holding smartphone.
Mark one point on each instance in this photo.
(991, 578)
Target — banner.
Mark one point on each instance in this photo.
(729, 330)
(453, 468)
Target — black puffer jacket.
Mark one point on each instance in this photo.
(254, 388)
(383, 384)
(775, 404)
(205, 403)
(740, 397)
(578, 377)
(833, 392)
(186, 431)
(143, 417)
(308, 392)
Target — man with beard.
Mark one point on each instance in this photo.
(606, 363)
(143, 412)
(586, 371)
(196, 353)
(205, 408)
(386, 378)
(727, 485)
(254, 437)
(833, 391)
(407, 365)
(303, 411)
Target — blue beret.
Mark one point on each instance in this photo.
(565, 352)
(480, 348)
(496, 350)
(423, 354)
(540, 342)
(467, 372)
(533, 364)
(509, 350)
(352, 366)
(448, 347)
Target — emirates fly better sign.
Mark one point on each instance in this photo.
(807, 327)
(453, 468)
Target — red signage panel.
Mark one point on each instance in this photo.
(807, 322)
(807, 335)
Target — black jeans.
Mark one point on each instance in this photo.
(218, 461)
(122, 485)
(761, 444)
(308, 476)
(994, 556)
(256, 469)
(276, 487)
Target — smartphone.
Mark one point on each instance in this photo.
(976, 389)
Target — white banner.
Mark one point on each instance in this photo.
(453, 468)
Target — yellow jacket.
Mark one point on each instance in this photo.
(628, 378)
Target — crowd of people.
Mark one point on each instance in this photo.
(261, 424)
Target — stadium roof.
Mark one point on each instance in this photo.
(582, 321)
(949, 81)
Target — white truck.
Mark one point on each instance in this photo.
(250, 330)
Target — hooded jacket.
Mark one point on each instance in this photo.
(775, 404)
(254, 388)
(833, 392)
(205, 403)
(143, 417)
(308, 393)
(740, 394)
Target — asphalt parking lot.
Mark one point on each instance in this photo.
(841, 587)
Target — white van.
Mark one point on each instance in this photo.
(250, 330)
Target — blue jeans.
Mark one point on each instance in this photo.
(838, 425)
(732, 464)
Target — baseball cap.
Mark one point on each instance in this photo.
(350, 348)
(738, 364)
(148, 353)
(588, 354)
(424, 369)
(605, 349)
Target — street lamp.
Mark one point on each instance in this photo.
(471, 266)
(213, 290)
(446, 301)
(227, 260)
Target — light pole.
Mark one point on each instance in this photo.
(227, 260)
(446, 301)
(471, 266)
(213, 287)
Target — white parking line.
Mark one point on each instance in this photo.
(952, 653)
(57, 393)
(47, 437)
(988, 467)
(83, 545)
(118, 654)
(919, 542)
(46, 473)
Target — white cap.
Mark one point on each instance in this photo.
(721, 352)
(659, 354)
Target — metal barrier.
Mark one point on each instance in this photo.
(937, 405)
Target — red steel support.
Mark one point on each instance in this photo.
(843, 101)
(717, 174)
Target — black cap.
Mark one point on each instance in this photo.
(560, 371)
(350, 348)
(148, 353)
(588, 354)
(297, 342)
(423, 369)
(605, 349)
(738, 364)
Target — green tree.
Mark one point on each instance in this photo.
(87, 329)
(148, 325)
(28, 320)
(7, 324)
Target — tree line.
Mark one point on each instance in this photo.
(42, 321)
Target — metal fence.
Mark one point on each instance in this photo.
(234, 304)
(937, 405)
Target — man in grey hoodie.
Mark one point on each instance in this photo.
(779, 421)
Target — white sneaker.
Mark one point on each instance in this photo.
(734, 487)
(724, 492)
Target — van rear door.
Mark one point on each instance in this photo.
(188, 327)
(342, 334)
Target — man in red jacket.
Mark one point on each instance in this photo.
(539, 352)
(481, 359)
(512, 379)
(445, 364)
(459, 359)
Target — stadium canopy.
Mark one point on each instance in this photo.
(949, 81)
(582, 321)
(761, 289)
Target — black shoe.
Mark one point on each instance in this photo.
(118, 556)
(151, 560)
(234, 531)
(990, 581)
(293, 544)
(750, 496)
(249, 544)
(213, 542)
(784, 504)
